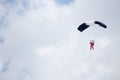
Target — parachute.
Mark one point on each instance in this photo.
(85, 25)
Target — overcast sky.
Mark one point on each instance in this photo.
(39, 40)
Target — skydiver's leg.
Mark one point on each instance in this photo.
(91, 47)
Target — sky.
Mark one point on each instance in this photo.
(39, 40)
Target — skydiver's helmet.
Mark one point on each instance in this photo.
(91, 41)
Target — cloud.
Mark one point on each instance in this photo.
(2, 9)
(104, 42)
(24, 74)
(45, 44)
(1, 65)
(44, 51)
(10, 7)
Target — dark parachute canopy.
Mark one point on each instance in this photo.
(85, 25)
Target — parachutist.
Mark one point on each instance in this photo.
(92, 44)
(86, 25)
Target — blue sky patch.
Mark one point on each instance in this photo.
(63, 2)
(1, 40)
(2, 21)
(25, 4)
(8, 1)
(6, 66)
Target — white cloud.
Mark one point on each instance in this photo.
(67, 47)
(46, 40)
(2, 10)
(102, 70)
(1, 65)
(44, 51)
(103, 42)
